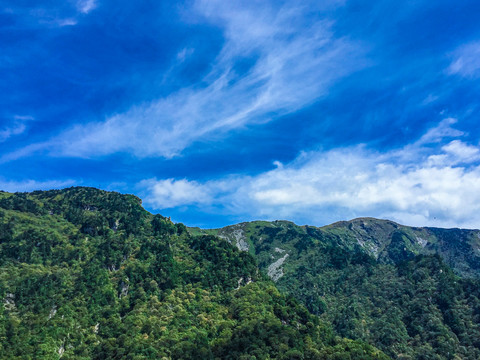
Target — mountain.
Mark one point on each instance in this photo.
(386, 241)
(412, 292)
(90, 274)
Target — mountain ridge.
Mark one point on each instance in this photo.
(89, 274)
(81, 268)
(375, 237)
(366, 274)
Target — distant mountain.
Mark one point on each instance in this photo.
(412, 292)
(89, 274)
(386, 241)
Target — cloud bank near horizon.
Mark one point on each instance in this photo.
(421, 184)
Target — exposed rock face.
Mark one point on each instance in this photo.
(422, 242)
(60, 351)
(235, 234)
(241, 281)
(242, 245)
(275, 270)
(9, 302)
(53, 311)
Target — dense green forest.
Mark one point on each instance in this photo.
(89, 274)
(376, 281)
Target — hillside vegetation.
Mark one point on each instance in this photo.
(89, 274)
(412, 292)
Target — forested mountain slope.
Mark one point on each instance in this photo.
(89, 274)
(387, 242)
(412, 292)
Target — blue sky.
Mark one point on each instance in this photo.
(217, 112)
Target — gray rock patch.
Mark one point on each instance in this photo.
(275, 270)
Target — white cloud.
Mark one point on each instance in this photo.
(431, 98)
(32, 185)
(17, 127)
(466, 60)
(184, 54)
(54, 15)
(456, 152)
(22, 152)
(23, 118)
(85, 6)
(8, 132)
(462, 151)
(443, 130)
(322, 187)
(294, 64)
(170, 193)
(67, 22)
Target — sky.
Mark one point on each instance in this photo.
(217, 112)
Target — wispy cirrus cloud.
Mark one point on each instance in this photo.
(425, 183)
(272, 63)
(32, 185)
(66, 22)
(85, 6)
(466, 60)
(443, 130)
(16, 127)
(55, 15)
